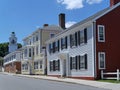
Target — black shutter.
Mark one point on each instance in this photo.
(54, 47)
(61, 43)
(58, 65)
(70, 63)
(76, 39)
(76, 63)
(54, 65)
(85, 61)
(50, 66)
(79, 61)
(85, 35)
(66, 42)
(49, 48)
(58, 45)
(70, 40)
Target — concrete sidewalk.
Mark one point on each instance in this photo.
(105, 85)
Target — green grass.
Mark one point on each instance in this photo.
(110, 81)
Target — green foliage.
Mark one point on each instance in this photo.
(19, 45)
(1, 61)
(4, 48)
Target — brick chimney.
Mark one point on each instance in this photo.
(113, 2)
(45, 25)
(62, 20)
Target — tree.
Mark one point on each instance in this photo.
(1, 61)
(4, 48)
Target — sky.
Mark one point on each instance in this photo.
(24, 16)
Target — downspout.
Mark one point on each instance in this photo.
(94, 42)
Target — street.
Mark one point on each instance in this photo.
(10, 82)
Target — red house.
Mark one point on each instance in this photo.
(110, 43)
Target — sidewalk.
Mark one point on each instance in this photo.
(105, 85)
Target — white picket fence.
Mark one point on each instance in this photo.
(110, 73)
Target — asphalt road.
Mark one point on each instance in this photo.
(9, 82)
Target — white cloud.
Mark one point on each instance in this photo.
(93, 1)
(76, 4)
(71, 4)
(70, 23)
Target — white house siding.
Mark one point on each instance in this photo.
(85, 49)
(71, 52)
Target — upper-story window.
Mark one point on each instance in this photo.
(64, 43)
(51, 48)
(73, 40)
(30, 52)
(37, 51)
(52, 35)
(36, 37)
(33, 39)
(101, 33)
(82, 36)
(57, 45)
(25, 52)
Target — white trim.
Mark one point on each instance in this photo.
(99, 33)
(99, 60)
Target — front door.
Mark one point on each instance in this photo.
(64, 67)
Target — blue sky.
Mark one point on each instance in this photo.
(25, 16)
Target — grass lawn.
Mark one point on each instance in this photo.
(110, 81)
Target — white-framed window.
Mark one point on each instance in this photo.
(101, 59)
(35, 65)
(25, 52)
(30, 52)
(52, 35)
(101, 33)
(72, 40)
(41, 63)
(37, 51)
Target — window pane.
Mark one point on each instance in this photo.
(101, 60)
(101, 34)
(82, 37)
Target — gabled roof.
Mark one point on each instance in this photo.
(91, 18)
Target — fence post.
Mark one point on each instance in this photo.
(118, 76)
(102, 74)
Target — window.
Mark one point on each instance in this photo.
(35, 65)
(36, 50)
(64, 43)
(52, 35)
(36, 37)
(82, 36)
(83, 62)
(55, 65)
(73, 63)
(29, 52)
(51, 65)
(25, 52)
(57, 46)
(24, 66)
(101, 33)
(101, 58)
(41, 64)
(78, 62)
(73, 40)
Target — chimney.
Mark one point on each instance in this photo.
(62, 20)
(45, 25)
(113, 2)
